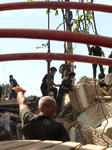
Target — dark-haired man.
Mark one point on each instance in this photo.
(44, 85)
(65, 87)
(13, 83)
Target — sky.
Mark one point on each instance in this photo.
(29, 73)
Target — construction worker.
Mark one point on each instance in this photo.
(65, 69)
(13, 83)
(44, 85)
(65, 87)
(96, 51)
(110, 67)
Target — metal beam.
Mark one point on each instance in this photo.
(56, 35)
(52, 4)
(56, 56)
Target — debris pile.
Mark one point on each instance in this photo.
(88, 109)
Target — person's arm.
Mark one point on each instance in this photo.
(65, 88)
(103, 53)
(14, 116)
(21, 100)
(65, 72)
(17, 84)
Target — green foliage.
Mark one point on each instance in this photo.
(30, 0)
(43, 46)
(5, 89)
(84, 21)
(49, 11)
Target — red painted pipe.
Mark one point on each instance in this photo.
(56, 56)
(56, 35)
(52, 4)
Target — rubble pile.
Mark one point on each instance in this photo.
(88, 109)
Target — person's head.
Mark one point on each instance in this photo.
(53, 70)
(94, 46)
(10, 76)
(101, 75)
(47, 106)
(71, 75)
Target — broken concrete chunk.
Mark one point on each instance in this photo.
(108, 79)
(108, 128)
(85, 79)
(89, 116)
(92, 147)
(83, 95)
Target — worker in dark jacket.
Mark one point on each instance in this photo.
(44, 85)
(96, 51)
(65, 87)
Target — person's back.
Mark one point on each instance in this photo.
(40, 126)
(14, 82)
(44, 128)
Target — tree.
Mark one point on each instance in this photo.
(5, 89)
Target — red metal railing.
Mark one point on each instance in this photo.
(56, 56)
(56, 35)
(66, 5)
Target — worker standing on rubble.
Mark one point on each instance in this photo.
(65, 69)
(44, 85)
(40, 126)
(13, 83)
(65, 87)
(96, 51)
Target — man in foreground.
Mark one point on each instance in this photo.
(40, 126)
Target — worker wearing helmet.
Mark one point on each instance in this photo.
(65, 87)
(44, 85)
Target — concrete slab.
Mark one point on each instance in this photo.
(92, 147)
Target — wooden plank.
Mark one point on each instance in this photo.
(92, 147)
(66, 146)
(17, 143)
(41, 145)
(6, 142)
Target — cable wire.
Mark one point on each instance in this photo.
(102, 111)
(3, 66)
